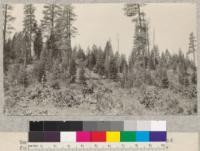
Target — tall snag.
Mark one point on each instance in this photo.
(7, 29)
(138, 60)
(29, 28)
(65, 31)
(51, 14)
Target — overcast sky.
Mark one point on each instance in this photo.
(98, 23)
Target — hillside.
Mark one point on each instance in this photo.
(47, 72)
(99, 97)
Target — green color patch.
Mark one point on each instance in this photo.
(128, 136)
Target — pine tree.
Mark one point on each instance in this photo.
(91, 60)
(7, 20)
(141, 39)
(186, 81)
(113, 69)
(29, 28)
(194, 77)
(138, 60)
(39, 70)
(132, 10)
(182, 69)
(192, 46)
(154, 58)
(38, 43)
(7, 29)
(174, 62)
(64, 26)
(163, 60)
(131, 60)
(82, 78)
(167, 57)
(181, 63)
(7, 54)
(95, 50)
(100, 62)
(26, 49)
(52, 47)
(45, 58)
(18, 47)
(65, 30)
(124, 71)
(80, 54)
(72, 68)
(123, 64)
(165, 81)
(74, 52)
(51, 14)
(108, 56)
(118, 61)
(23, 77)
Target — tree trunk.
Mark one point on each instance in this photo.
(69, 36)
(139, 15)
(30, 35)
(5, 26)
(194, 58)
(52, 19)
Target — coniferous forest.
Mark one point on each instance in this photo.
(45, 75)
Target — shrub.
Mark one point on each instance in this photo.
(13, 72)
(173, 105)
(6, 84)
(183, 80)
(148, 78)
(149, 97)
(165, 81)
(136, 78)
(56, 71)
(72, 68)
(23, 77)
(190, 92)
(55, 85)
(39, 71)
(82, 77)
(18, 74)
(194, 78)
(195, 108)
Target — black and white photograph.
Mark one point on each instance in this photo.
(99, 59)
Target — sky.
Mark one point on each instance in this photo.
(97, 23)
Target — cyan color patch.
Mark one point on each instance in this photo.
(142, 136)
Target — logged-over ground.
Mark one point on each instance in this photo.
(99, 97)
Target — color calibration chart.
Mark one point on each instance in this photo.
(97, 135)
(176, 141)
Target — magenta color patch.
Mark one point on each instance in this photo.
(83, 136)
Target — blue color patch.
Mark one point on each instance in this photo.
(142, 136)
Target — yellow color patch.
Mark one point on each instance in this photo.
(112, 136)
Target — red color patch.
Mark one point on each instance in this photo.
(98, 137)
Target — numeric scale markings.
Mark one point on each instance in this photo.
(97, 147)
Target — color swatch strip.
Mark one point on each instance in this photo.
(97, 131)
(97, 126)
(98, 136)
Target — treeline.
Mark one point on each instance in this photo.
(56, 29)
(44, 43)
(151, 66)
(47, 48)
